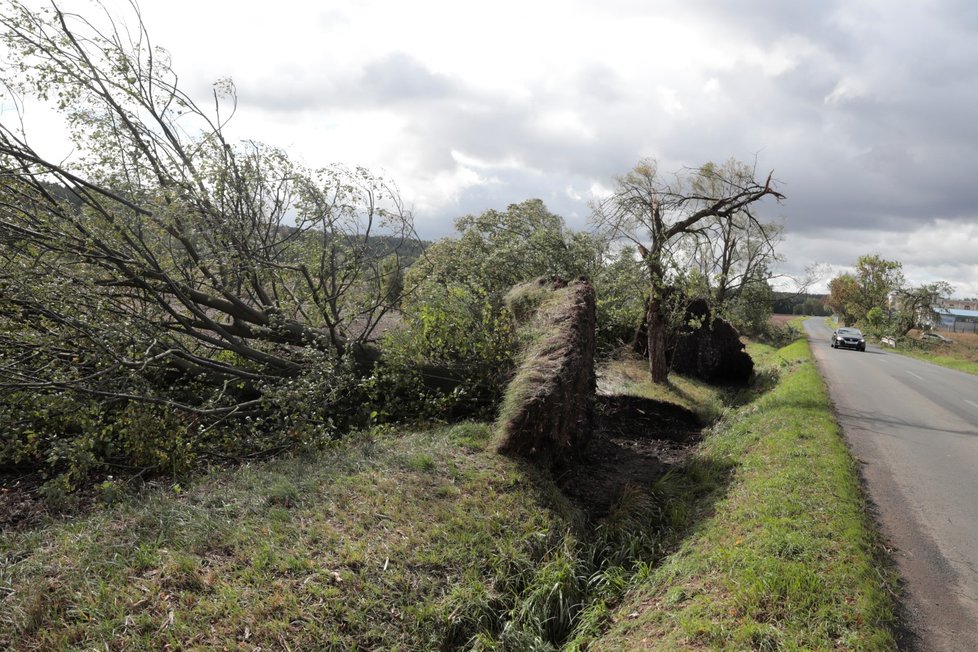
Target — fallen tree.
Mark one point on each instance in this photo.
(706, 211)
(165, 249)
(709, 347)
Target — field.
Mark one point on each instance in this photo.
(781, 320)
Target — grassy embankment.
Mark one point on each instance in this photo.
(786, 558)
(383, 542)
(428, 540)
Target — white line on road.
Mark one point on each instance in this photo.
(915, 375)
(971, 403)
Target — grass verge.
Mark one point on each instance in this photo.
(778, 551)
(948, 361)
(961, 353)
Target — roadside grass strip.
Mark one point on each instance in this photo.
(780, 553)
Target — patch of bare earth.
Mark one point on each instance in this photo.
(636, 441)
(781, 320)
(20, 505)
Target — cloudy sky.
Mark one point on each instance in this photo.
(866, 112)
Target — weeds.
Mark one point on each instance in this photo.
(388, 541)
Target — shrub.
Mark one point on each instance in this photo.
(454, 356)
(70, 438)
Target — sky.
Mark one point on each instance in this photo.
(866, 111)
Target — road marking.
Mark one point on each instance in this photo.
(971, 403)
(915, 375)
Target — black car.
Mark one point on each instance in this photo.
(848, 338)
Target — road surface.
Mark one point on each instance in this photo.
(913, 426)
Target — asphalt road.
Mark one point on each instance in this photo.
(913, 426)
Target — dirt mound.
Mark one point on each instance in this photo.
(636, 440)
(547, 412)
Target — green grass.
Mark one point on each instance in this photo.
(428, 540)
(408, 541)
(798, 323)
(967, 366)
(630, 375)
(779, 552)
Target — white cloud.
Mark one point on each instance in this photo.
(938, 250)
(847, 90)
(864, 112)
(669, 101)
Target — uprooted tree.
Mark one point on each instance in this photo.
(164, 248)
(662, 217)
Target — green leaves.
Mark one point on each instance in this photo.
(876, 297)
(499, 249)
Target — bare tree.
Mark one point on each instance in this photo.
(163, 245)
(660, 216)
(732, 251)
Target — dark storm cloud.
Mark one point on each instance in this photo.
(385, 82)
(878, 131)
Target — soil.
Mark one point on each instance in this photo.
(19, 504)
(781, 320)
(636, 441)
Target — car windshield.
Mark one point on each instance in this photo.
(851, 332)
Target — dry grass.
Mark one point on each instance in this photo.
(961, 353)
(963, 346)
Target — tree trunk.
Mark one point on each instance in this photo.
(656, 324)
